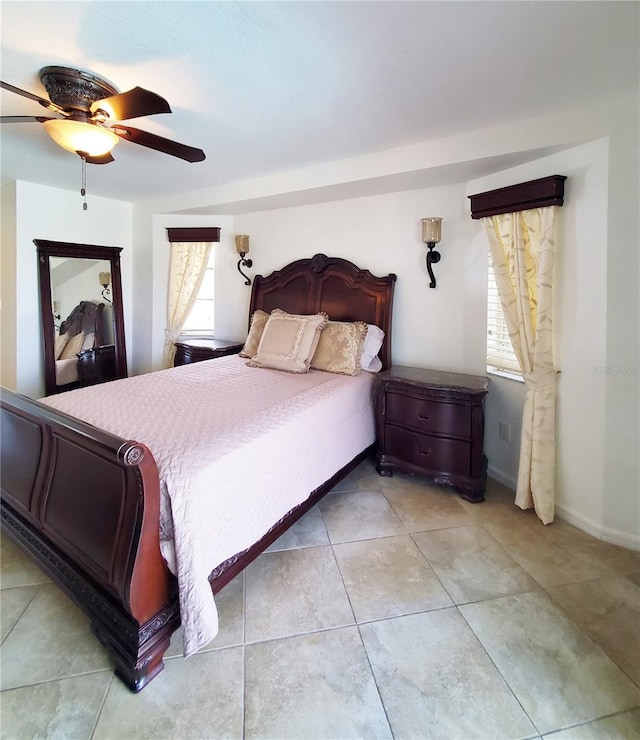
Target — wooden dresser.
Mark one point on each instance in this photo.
(432, 423)
(196, 350)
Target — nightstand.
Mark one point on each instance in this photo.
(196, 350)
(431, 423)
(97, 365)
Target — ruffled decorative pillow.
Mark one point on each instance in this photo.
(289, 341)
(72, 347)
(60, 344)
(340, 347)
(258, 321)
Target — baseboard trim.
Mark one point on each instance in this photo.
(501, 477)
(606, 534)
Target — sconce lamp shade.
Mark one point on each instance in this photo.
(242, 248)
(431, 230)
(105, 279)
(77, 136)
(242, 244)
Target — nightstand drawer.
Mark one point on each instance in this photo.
(429, 416)
(436, 453)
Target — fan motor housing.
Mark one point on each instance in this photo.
(72, 89)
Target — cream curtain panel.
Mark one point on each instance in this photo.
(522, 247)
(186, 273)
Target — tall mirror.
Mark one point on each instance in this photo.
(82, 316)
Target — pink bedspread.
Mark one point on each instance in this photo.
(236, 448)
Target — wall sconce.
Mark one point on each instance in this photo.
(105, 281)
(56, 315)
(242, 248)
(431, 232)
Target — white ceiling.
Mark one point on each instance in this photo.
(265, 87)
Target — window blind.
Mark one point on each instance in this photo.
(500, 354)
(200, 321)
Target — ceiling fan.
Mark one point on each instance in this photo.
(91, 110)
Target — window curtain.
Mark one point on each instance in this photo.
(186, 273)
(522, 248)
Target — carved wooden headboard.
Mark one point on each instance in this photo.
(332, 285)
(86, 317)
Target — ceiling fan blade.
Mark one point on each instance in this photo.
(160, 144)
(46, 103)
(24, 119)
(132, 104)
(102, 159)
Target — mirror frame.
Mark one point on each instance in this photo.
(48, 249)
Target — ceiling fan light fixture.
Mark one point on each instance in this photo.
(77, 136)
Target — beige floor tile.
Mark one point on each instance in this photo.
(435, 677)
(359, 515)
(192, 699)
(558, 674)
(547, 558)
(362, 478)
(312, 686)
(16, 568)
(308, 531)
(57, 710)
(608, 609)
(422, 507)
(472, 565)
(13, 602)
(498, 505)
(293, 592)
(623, 726)
(436, 680)
(51, 640)
(388, 577)
(635, 577)
(617, 559)
(230, 605)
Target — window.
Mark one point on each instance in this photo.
(200, 319)
(500, 354)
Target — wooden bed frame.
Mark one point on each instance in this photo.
(84, 503)
(86, 317)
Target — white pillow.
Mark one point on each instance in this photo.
(89, 340)
(72, 347)
(369, 361)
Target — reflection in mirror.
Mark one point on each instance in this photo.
(82, 318)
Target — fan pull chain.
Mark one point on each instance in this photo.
(83, 189)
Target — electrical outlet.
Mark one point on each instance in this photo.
(504, 431)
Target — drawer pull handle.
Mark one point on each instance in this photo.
(426, 454)
(424, 418)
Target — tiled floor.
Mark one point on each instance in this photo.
(392, 609)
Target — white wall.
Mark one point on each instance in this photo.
(504, 405)
(439, 328)
(589, 493)
(151, 266)
(597, 274)
(49, 213)
(8, 287)
(621, 511)
(231, 295)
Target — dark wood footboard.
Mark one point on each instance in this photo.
(85, 505)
